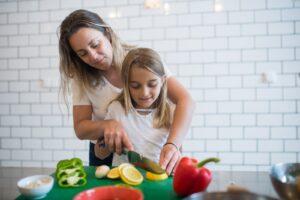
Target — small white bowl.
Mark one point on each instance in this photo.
(35, 187)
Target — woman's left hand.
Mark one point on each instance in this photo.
(169, 157)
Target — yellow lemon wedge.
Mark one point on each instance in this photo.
(131, 175)
(113, 173)
(156, 177)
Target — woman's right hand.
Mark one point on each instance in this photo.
(115, 137)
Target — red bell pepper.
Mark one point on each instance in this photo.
(191, 177)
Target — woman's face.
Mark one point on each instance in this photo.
(92, 47)
(144, 87)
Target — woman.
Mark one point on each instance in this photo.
(91, 57)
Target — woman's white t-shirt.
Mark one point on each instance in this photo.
(98, 97)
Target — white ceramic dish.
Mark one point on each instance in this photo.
(35, 187)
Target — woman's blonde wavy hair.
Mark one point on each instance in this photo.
(148, 59)
(71, 66)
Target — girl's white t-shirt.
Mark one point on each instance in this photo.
(146, 140)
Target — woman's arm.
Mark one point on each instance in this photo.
(183, 113)
(184, 110)
(87, 129)
(84, 127)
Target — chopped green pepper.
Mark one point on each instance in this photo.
(70, 173)
(74, 162)
(71, 181)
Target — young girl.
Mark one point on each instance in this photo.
(142, 108)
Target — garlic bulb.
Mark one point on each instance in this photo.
(102, 171)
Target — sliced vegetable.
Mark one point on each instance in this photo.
(70, 173)
(72, 181)
(74, 162)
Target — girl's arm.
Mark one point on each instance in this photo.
(88, 129)
(183, 113)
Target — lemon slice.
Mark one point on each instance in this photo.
(124, 165)
(156, 177)
(113, 173)
(131, 175)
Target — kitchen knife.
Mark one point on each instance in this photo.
(134, 158)
(143, 162)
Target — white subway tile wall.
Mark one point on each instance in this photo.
(240, 60)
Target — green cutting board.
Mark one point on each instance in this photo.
(151, 189)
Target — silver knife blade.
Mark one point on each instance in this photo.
(143, 162)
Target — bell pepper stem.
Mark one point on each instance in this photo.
(203, 162)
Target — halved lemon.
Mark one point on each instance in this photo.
(131, 175)
(113, 173)
(156, 177)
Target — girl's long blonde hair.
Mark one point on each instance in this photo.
(148, 59)
(71, 66)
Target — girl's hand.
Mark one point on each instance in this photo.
(169, 158)
(115, 137)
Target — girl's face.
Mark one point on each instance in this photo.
(144, 87)
(92, 47)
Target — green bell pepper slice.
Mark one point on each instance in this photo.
(70, 171)
(72, 181)
(74, 162)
